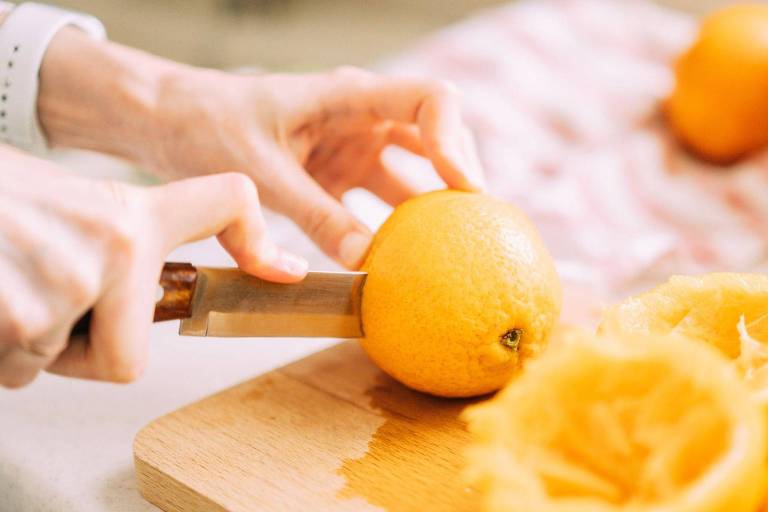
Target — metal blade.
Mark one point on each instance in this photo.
(229, 302)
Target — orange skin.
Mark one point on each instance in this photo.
(719, 106)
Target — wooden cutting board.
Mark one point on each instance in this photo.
(329, 432)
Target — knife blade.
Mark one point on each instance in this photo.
(227, 302)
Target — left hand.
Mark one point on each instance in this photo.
(303, 139)
(307, 139)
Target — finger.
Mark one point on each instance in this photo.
(117, 346)
(24, 325)
(19, 367)
(226, 205)
(470, 150)
(388, 184)
(432, 105)
(406, 136)
(448, 143)
(324, 219)
(74, 359)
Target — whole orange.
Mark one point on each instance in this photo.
(460, 293)
(719, 105)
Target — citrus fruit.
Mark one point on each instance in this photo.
(460, 293)
(719, 105)
(708, 308)
(637, 424)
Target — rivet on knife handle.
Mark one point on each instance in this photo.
(178, 281)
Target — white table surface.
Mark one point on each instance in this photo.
(66, 445)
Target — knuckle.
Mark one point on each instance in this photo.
(240, 188)
(78, 282)
(123, 239)
(24, 315)
(351, 74)
(14, 329)
(84, 289)
(121, 230)
(20, 327)
(317, 222)
(45, 347)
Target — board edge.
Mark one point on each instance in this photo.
(147, 474)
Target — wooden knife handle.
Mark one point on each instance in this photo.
(178, 281)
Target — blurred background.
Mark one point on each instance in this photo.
(564, 98)
(285, 35)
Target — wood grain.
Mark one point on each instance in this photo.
(329, 432)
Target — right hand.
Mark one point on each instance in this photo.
(69, 244)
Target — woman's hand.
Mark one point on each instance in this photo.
(307, 139)
(303, 139)
(69, 244)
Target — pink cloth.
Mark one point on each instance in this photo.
(563, 97)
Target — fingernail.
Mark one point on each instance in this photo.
(292, 264)
(353, 248)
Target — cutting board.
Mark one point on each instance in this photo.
(329, 432)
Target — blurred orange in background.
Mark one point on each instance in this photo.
(719, 106)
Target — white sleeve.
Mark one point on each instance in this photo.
(25, 35)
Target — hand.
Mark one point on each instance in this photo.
(68, 244)
(304, 139)
(307, 139)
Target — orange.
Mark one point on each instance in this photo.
(460, 293)
(719, 106)
(631, 424)
(707, 308)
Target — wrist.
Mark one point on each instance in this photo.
(195, 109)
(101, 96)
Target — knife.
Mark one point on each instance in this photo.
(230, 303)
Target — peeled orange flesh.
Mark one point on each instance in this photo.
(460, 293)
(637, 424)
(719, 105)
(707, 308)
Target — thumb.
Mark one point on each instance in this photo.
(226, 205)
(323, 218)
